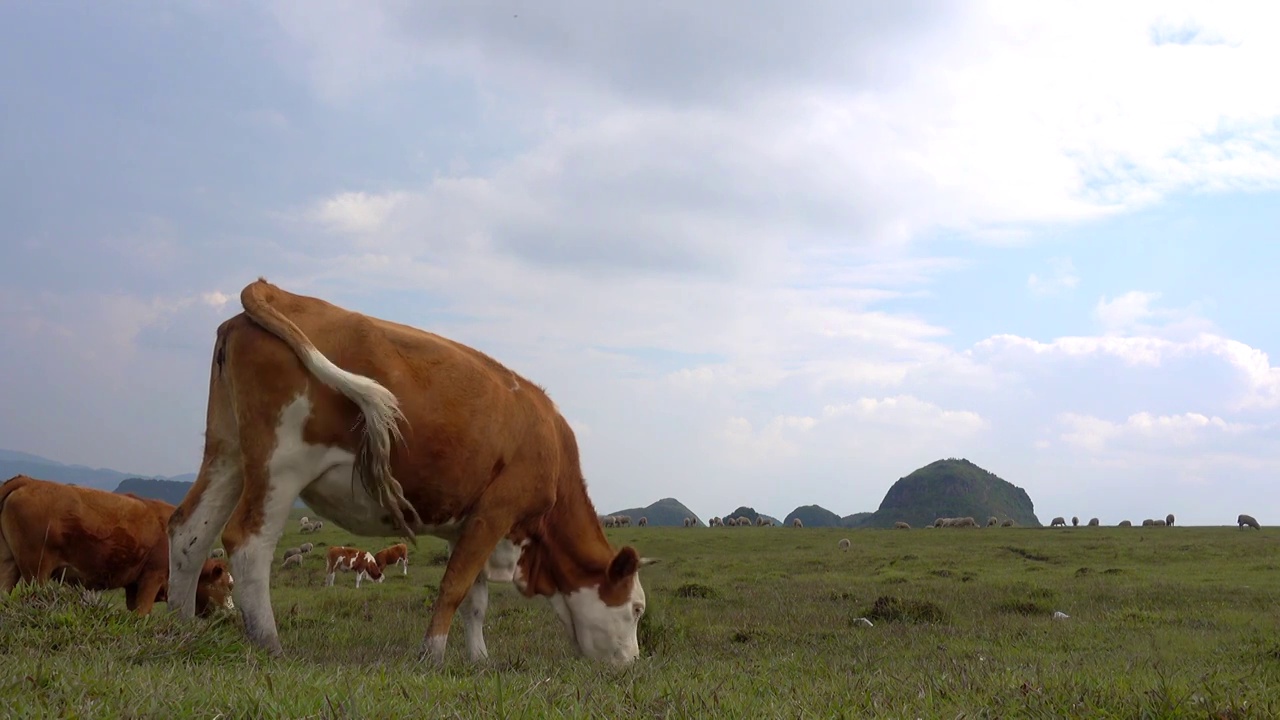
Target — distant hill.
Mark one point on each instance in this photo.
(13, 462)
(813, 516)
(668, 512)
(170, 491)
(952, 488)
(854, 520)
(750, 512)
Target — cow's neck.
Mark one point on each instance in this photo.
(569, 549)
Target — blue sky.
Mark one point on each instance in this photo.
(755, 259)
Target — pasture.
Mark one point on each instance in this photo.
(742, 622)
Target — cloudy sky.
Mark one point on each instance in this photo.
(757, 255)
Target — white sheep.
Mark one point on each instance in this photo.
(844, 543)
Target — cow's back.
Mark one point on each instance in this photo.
(106, 540)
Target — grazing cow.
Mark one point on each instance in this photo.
(1058, 521)
(218, 553)
(1093, 522)
(306, 548)
(101, 540)
(643, 522)
(291, 561)
(795, 522)
(387, 429)
(398, 553)
(1125, 523)
(901, 525)
(843, 544)
(360, 562)
(1168, 519)
(1247, 520)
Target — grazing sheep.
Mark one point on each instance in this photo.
(688, 522)
(966, 522)
(1158, 522)
(1125, 523)
(1008, 523)
(218, 553)
(624, 521)
(292, 560)
(291, 552)
(900, 525)
(1058, 521)
(760, 521)
(1093, 522)
(644, 522)
(1148, 522)
(795, 522)
(1244, 520)
(304, 521)
(608, 521)
(1075, 521)
(844, 543)
(317, 525)
(744, 521)
(1168, 519)
(306, 548)
(993, 521)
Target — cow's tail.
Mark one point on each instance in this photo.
(378, 406)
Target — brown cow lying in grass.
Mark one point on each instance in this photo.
(101, 540)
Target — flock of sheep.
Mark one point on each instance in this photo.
(761, 521)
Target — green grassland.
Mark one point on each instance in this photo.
(742, 622)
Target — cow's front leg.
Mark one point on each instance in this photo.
(466, 561)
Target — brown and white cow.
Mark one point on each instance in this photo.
(360, 562)
(101, 540)
(398, 553)
(306, 397)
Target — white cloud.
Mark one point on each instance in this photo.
(1165, 431)
(1126, 311)
(1062, 276)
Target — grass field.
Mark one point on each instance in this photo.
(742, 622)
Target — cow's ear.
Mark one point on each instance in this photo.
(624, 564)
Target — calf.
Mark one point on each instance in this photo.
(398, 553)
(360, 562)
(101, 540)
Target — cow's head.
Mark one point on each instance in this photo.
(214, 589)
(603, 618)
(371, 568)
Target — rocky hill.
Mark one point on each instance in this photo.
(813, 516)
(854, 520)
(952, 488)
(750, 513)
(666, 512)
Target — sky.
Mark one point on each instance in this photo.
(758, 256)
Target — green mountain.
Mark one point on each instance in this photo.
(854, 520)
(170, 491)
(813, 516)
(952, 488)
(668, 512)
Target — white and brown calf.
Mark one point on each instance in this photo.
(360, 562)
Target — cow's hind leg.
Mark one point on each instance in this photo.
(196, 524)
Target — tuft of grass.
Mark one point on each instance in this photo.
(888, 608)
(697, 590)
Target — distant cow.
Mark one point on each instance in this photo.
(1058, 521)
(98, 539)
(360, 562)
(388, 556)
(1247, 520)
(1168, 519)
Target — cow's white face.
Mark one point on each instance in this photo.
(600, 631)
